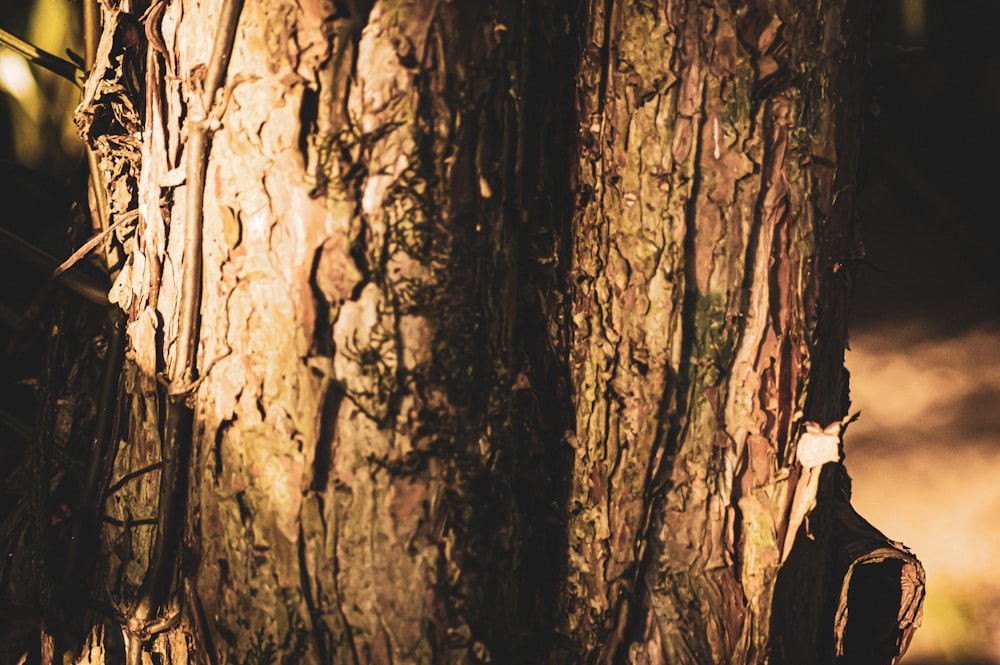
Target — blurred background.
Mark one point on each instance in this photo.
(42, 174)
(925, 342)
(925, 331)
(36, 127)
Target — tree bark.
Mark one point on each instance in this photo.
(359, 487)
(484, 371)
(713, 256)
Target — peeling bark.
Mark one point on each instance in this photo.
(365, 403)
(489, 373)
(711, 270)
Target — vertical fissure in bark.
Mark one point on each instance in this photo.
(543, 241)
(774, 216)
(318, 628)
(607, 48)
(678, 576)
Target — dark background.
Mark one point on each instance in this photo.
(928, 192)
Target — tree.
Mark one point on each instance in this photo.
(478, 332)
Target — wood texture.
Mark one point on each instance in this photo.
(511, 315)
(713, 245)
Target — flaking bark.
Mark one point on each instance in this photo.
(712, 265)
(364, 410)
(490, 372)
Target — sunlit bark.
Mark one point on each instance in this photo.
(510, 318)
(364, 405)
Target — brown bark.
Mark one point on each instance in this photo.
(485, 373)
(362, 411)
(712, 266)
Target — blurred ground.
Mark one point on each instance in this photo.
(925, 461)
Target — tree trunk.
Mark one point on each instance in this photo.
(367, 479)
(713, 247)
(713, 255)
(480, 371)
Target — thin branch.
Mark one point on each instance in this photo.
(179, 424)
(197, 162)
(91, 30)
(72, 279)
(128, 524)
(92, 244)
(121, 482)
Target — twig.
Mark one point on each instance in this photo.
(105, 433)
(179, 424)
(74, 280)
(197, 162)
(91, 30)
(92, 39)
(127, 524)
(121, 482)
(102, 207)
(91, 244)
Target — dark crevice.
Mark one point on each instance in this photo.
(539, 206)
(220, 437)
(872, 630)
(320, 631)
(308, 115)
(323, 328)
(323, 456)
(606, 53)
